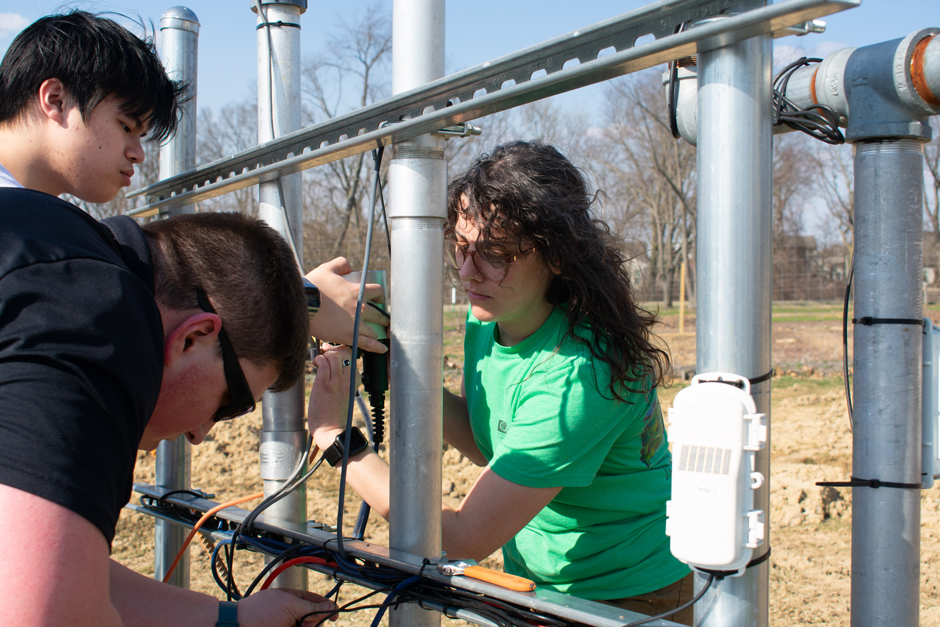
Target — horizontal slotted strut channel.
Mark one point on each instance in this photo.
(531, 74)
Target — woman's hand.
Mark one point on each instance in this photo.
(329, 398)
(282, 607)
(338, 298)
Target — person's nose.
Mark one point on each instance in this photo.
(135, 151)
(196, 436)
(468, 271)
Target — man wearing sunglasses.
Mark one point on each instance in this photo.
(114, 337)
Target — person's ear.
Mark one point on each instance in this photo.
(53, 100)
(193, 334)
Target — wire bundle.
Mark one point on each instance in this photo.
(818, 121)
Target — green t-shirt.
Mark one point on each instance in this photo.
(539, 419)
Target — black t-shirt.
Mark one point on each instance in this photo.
(81, 353)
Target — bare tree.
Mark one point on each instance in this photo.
(339, 193)
(652, 175)
(792, 183)
(835, 179)
(932, 189)
(232, 130)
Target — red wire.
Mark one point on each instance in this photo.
(297, 560)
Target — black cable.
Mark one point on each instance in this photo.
(388, 235)
(673, 93)
(673, 96)
(845, 343)
(343, 608)
(818, 121)
(689, 603)
(282, 557)
(355, 350)
(162, 500)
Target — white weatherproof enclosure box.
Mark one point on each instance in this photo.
(930, 407)
(715, 432)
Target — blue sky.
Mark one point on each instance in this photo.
(476, 31)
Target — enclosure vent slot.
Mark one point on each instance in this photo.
(705, 459)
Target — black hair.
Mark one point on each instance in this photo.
(527, 194)
(248, 272)
(94, 57)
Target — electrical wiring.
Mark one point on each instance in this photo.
(286, 488)
(400, 587)
(355, 350)
(229, 584)
(388, 236)
(343, 608)
(292, 562)
(280, 189)
(199, 524)
(672, 94)
(845, 343)
(689, 603)
(818, 121)
(287, 554)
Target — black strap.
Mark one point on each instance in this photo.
(228, 614)
(869, 321)
(721, 574)
(869, 483)
(277, 23)
(739, 384)
(762, 378)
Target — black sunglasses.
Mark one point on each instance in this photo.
(241, 400)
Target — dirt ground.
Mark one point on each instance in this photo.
(810, 527)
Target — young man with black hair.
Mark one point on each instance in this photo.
(114, 337)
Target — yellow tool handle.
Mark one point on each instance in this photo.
(505, 580)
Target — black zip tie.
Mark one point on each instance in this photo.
(762, 378)
(868, 321)
(721, 574)
(869, 483)
(740, 384)
(424, 562)
(277, 23)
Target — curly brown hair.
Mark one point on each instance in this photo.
(529, 195)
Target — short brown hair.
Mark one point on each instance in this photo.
(249, 274)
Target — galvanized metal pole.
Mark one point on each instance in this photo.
(889, 187)
(179, 39)
(887, 124)
(284, 431)
(734, 270)
(417, 208)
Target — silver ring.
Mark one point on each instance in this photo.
(346, 363)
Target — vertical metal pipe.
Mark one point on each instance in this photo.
(417, 208)
(284, 431)
(179, 34)
(179, 48)
(889, 187)
(734, 269)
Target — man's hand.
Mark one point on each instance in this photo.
(338, 297)
(282, 606)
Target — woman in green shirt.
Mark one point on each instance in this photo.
(558, 402)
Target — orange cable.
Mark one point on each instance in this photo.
(200, 522)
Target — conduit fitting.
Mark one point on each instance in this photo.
(925, 69)
(880, 91)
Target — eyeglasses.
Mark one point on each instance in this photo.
(241, 400)
(491, 264)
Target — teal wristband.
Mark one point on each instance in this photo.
(228, 614)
